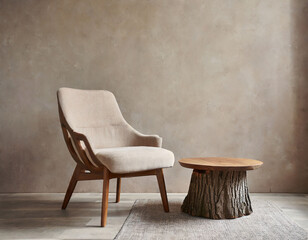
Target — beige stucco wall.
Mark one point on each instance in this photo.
(213, 78)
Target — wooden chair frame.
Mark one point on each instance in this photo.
(90, 168)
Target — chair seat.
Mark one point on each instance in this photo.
(134, 159)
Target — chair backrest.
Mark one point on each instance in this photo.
(96, 114)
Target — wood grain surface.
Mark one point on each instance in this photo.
(220, 163)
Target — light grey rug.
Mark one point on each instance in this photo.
(147, 220)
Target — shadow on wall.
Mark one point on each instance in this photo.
(299, 39)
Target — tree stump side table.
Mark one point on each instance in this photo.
(218, 187)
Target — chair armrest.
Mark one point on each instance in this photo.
(78, 145)
(148, 140)
(84, 149)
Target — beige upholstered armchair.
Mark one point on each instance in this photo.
(105, 146)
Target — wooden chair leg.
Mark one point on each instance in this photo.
(71, 186)
(118, 190)
(105, 197)
(162, 189)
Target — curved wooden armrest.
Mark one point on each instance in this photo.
(83, 156)
(89, 158)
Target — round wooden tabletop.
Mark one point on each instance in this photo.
(220, 163)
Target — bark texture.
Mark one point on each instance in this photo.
(218, 195)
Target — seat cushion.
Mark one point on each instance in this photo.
(134, 159)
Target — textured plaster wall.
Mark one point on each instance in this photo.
(213, 78)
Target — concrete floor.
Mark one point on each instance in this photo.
(38, 216)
